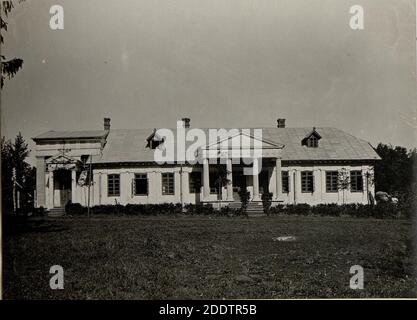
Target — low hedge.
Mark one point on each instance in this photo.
(381, 210)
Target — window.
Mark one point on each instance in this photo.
(140, 184)
(195, 182)
(168, 185)
(113, 185)
(307, 181)
(356, 181)
(312, 142)
(332, 181)
(285, 182)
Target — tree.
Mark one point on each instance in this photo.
(343, 181)
(23, 182)
(6, 176)
(396, 174)
(10, 67)
(221, 179)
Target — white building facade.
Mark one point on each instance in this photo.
(297, 165)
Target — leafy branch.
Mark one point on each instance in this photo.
(9, 68)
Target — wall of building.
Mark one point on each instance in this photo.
(320, 195)
(99, 194)
(45, 194)
(154, 174)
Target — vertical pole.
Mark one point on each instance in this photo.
(90, 178)
(295, 186)
(40, 183)
(256, 180)
(206, 180)
(229, 170)
(181, 191)
(278, 184)
(14, 189)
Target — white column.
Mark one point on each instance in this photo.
(229, 168)
(40, 182)
(185, 186)
(73, 185)
(256, 180)
(206, 179)
(317, 194)
(295, 182)
(51, 189)
(278, 180)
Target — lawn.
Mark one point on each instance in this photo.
(207, 258)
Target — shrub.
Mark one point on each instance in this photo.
(380, 211)
(298, 209)
(107, 209)
(278, 209)
(386, 210)
(39, 212)
(244, 196)
(267, 201)
(199, 208)
(330, 209)
(74, 209)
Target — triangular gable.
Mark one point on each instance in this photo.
(62, 159)
(243, 140)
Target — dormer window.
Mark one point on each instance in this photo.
(311, 140)
(153, 141)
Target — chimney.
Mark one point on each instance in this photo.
(107, 124)
(281, 123)
(186, 122)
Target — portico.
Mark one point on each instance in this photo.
(245, 157)
(61, 180)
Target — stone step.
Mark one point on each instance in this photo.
(56, 212)
(252, 208)
(235, 205)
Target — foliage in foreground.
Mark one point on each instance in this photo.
(380, 211)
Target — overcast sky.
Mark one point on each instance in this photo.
(222, 63)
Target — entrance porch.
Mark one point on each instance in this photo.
(60, 181)
(247, 162)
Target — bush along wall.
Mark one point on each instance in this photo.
(76, 209)
(380, 211)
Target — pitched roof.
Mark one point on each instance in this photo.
(56, 135)
(129, 145)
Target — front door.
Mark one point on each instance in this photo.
(62, 187)
(263, 182)
(239, 183)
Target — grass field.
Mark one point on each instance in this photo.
(207, 258)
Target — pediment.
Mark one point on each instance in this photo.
(62, 159)
(243, 140)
